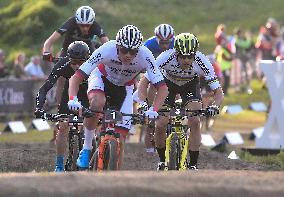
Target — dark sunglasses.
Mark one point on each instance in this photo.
(84, 25)
(124, 50)
(162, 42)
(191, 56)
(77, 61)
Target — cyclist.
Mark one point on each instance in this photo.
(113, 68)
(81, 27)
(181, 68)
(162, 41)
(78, 52)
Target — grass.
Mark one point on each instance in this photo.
(271, 160)
(32, 136)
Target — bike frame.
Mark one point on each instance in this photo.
(177, 128)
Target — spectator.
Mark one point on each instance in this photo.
(244, 46)
(34, 70)
(220, 34)
(266, 40)
(3, 71)
(224, 58)
(19, 66)
(279, 52)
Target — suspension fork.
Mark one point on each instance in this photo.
(184, 145)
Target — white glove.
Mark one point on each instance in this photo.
(150, 113)
(143, 106)
(74, 104)
(213, 110)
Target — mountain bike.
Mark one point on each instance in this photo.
(106, 151)
(75, 136)
(177, 141)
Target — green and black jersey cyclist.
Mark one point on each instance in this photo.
(182, 68)
(78, 52)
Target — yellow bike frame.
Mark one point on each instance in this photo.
(178, 129)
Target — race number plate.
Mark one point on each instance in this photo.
(113, 116)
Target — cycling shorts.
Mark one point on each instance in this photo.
(188, 92)
(117, 97)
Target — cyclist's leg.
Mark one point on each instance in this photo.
(61, 142)
(122, 99)
(193, 101)
(150, 129)
(97, 101)
(161, 123)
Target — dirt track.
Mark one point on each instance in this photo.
(218, 176)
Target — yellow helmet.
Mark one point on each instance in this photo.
(186, 44)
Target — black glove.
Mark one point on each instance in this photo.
(213, 110)
(39, 113)
(47, 56)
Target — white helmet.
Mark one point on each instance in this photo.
(85, 15)
(164, 32)
(130, 37)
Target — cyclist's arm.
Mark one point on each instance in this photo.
(59, 89)
(84, 71)
(157, 79)
(50, 41)
(142, 88)
(49, 83)
(218, 96)
(74, 83)
(207, 70)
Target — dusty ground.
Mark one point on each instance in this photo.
(218, 176)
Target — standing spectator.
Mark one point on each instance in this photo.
(224, 58)
(3, 71)
(19, 66)
(244, 46)
(34, 70)
(279, 52)
(266, 39)
(220, 34)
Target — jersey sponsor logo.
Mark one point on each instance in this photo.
(95, 59)
(171, 57)
(124, 72)
(152, 67)
(202, 65)
(117, 62)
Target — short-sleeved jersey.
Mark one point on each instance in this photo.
(201, 66)
(153, 46)
(72, 33)
(107, 61)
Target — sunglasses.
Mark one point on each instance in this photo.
(163, 42)
(76, 61)
(85, 25)
(124, 50)
(191, 56)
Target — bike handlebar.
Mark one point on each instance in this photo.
(184, 112)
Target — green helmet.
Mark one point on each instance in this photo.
(186, 44)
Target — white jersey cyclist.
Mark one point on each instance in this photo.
(171, 70)
(106, 60)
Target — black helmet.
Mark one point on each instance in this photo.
(78, 50)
